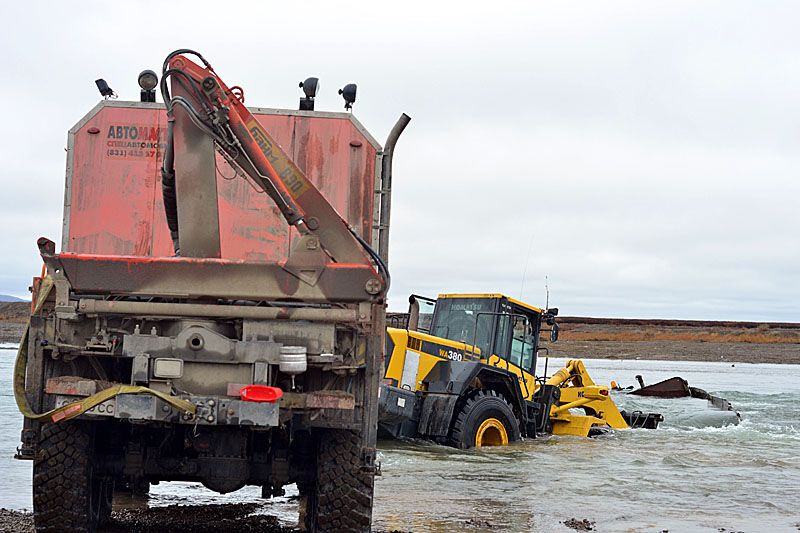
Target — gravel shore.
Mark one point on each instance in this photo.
(231, 518)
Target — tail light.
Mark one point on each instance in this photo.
(260, 393)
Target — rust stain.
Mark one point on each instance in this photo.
(117, 209)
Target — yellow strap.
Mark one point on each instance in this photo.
(77, 408)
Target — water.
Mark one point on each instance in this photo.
(680, 477)
(686, 476)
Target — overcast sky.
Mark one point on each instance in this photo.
(643, 156)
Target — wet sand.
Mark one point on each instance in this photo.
(232, 518)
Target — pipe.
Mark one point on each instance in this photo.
(413, 313)
(386, 186)
(89, 306)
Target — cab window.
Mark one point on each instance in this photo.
(465, 320)
(518, 330)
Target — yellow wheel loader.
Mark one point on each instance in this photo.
(461, 370)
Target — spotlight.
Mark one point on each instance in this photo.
(106, 91)
(348, 92)
(310, 88)
(148, 81)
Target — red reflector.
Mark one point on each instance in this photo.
(260, 393)
(604, 392)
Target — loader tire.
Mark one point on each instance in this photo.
(341, 497)
(485, 419)
(66, 494)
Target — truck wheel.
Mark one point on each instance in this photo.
(66, 494)
(341, 498)
(486, 419)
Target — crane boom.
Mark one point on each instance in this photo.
(219, 112)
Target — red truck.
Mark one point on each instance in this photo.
(216, 312)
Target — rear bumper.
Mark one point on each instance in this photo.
(211, 410)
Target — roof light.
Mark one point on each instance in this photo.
(348, 92)
(106, 91)
(310, 88)
(148, 81)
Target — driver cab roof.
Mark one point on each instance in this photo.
(494, 296)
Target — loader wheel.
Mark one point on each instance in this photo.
(66, 494)
(486, 419)
(341, 497)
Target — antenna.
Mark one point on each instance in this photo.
(525, 270)
(547, 292)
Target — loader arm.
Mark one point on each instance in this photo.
(579, 391)
(220, 113)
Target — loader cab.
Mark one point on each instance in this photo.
(502, 330)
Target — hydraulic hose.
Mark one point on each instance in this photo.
(168, 188)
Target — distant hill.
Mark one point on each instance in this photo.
(7, 298)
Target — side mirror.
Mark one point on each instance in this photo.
(554, 333)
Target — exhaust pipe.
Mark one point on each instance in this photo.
(386, 186)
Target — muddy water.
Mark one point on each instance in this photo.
(690, 475)
(686, 476)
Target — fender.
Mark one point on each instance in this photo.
(450, 380)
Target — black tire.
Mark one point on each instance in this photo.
(481, 408)
(341, 498)
(66, 494)
(106, 502)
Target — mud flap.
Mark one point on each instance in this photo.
(396, 412)
(436, 414)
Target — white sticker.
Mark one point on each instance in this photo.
(401, 402)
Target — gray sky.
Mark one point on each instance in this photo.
(645, 152)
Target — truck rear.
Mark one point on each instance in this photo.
(222, 323)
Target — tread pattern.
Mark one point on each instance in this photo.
(61, 479)
(479, 406)
(342, 500)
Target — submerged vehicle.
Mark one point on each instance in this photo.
(463, 372)
(677, 387)
(211, 316)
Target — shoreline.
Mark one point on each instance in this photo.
(607, 338)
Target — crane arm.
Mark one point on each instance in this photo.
(220, 112)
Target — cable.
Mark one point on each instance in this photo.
(382, 268)
(165, 66)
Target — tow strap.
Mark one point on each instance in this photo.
(77, 408)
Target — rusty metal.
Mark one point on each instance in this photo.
(196, 187)
(74, 386)
(107, 307)
(100, 166)
(318, 400)
(208, 278)
(669, 388)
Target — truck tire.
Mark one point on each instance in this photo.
(341, 498)
(66, 494)
(485, 419)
